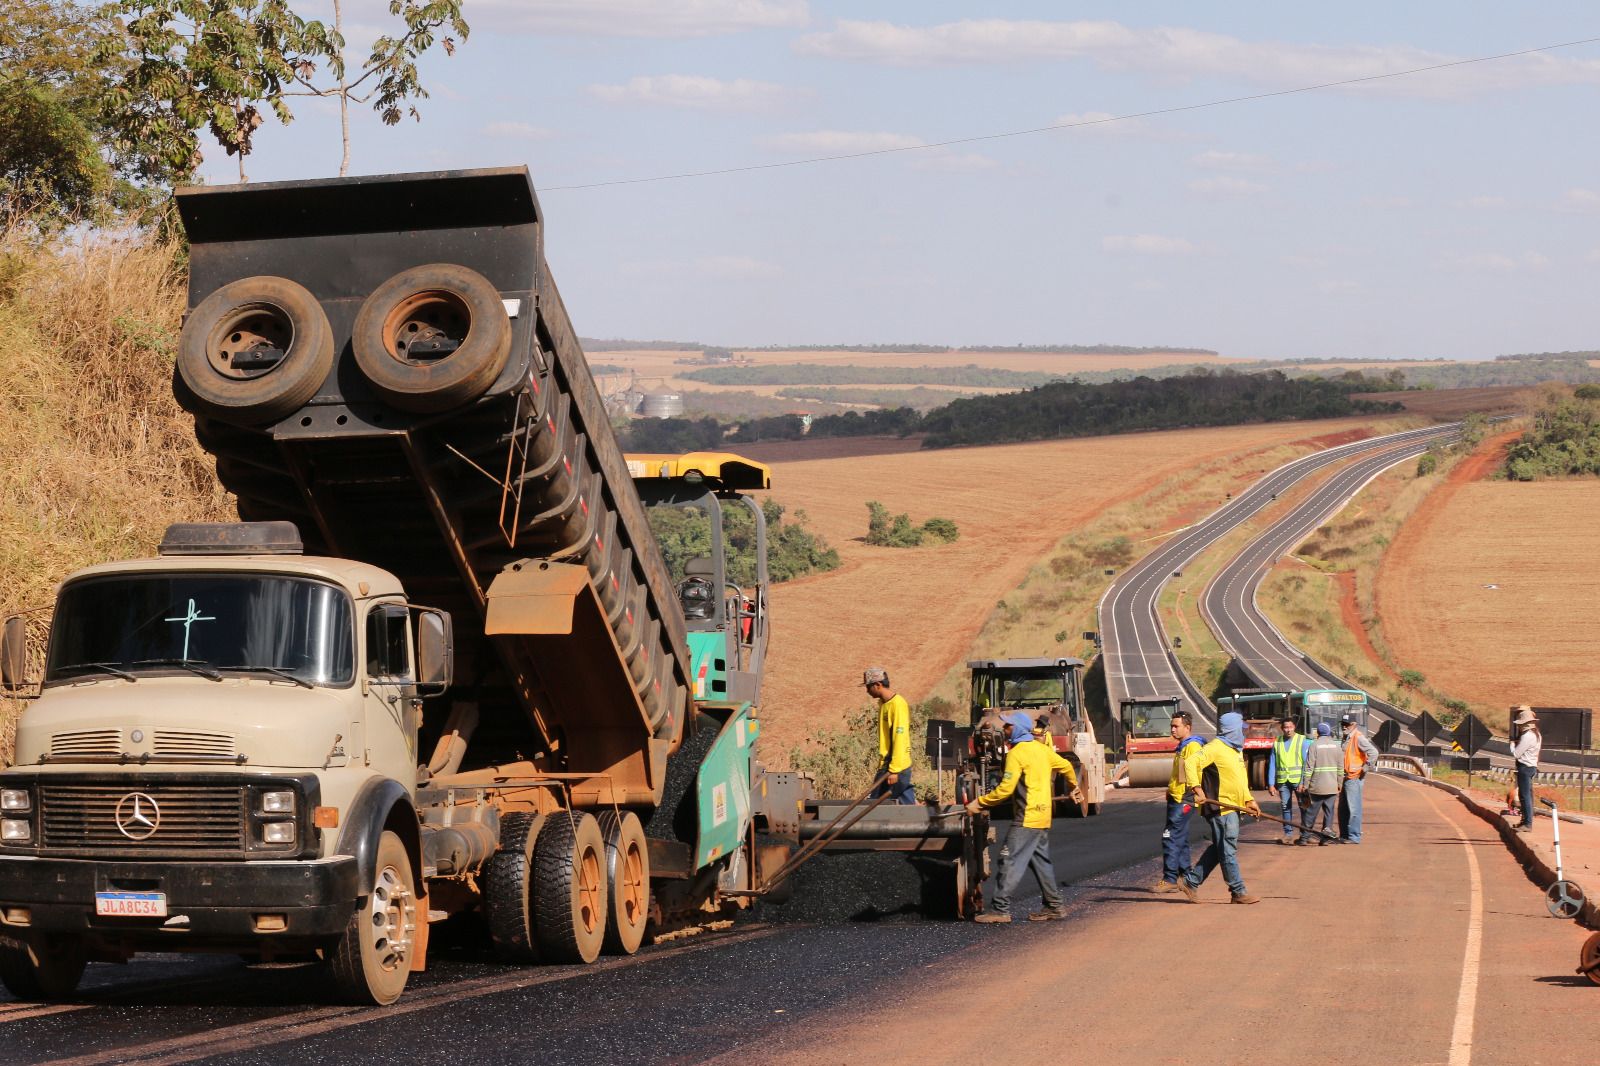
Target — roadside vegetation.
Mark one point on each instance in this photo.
(897, 531)
(1563, 441)
(792, 549)
(845, 760)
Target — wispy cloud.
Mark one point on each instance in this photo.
(1581, 200)
(637, 18)
(517, 131)
(1500, 263)
(1225, 185)
(1482, 203)
(1147, 244)
(1238, 161)
(838, 142)
(695, 91)
(1168, 51)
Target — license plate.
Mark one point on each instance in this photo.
(131, 904)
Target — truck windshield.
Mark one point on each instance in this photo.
(1032, 690)
(131, 624)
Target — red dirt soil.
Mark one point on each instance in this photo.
(1350, 612)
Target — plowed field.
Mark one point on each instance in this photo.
(917, 610)
(1490, 592)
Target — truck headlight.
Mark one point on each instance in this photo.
(16, 830)
(277, 803)
(277, 833)
(15, 799)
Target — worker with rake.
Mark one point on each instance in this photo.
(1223, 791)
(1029, 772)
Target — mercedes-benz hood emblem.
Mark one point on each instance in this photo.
(138, 816)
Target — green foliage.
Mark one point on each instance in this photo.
(844, 761)
(776, 427)
(1587, 392)
(897, 422)
(1412, 678)
(897, 531)
(1570, 367)
(920, 398)
(1118, 551)
(684, 533)
(1427, 463)
(1564, 441)
(671, 435)
(216, 63)
(50, 163)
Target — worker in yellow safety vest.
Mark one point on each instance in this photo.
(894, 737)
(1175, 858)
(1286, 772)
(1029, 773)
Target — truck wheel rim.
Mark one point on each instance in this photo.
(393, 918)
(426, 327)
(252, 328)
(633, 892)
(589, 881)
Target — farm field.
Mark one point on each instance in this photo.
(1453, 403)
(917, 611)
(1489, 592)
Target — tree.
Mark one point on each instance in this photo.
(50, 164)
(215, 63)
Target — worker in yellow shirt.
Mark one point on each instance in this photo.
(1222, 777)
(1175, 859)
(894, 737)
(1029, 772)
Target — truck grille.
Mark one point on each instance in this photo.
(178, 744)
(86, 742)
(193, 818)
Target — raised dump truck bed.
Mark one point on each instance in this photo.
(387, 362)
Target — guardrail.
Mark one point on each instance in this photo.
(1407, 763)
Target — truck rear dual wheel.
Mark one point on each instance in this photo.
(432, 337)
(254, 351)
(372, 960)
(628, 874)
(508, 891)
(570, 897)
(47, 969)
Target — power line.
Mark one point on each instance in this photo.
(1070, 125)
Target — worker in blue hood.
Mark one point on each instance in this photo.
(1222, 778)
(1231, 732)
(1019, 727)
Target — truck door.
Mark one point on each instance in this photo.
(392, 707)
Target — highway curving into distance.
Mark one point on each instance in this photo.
(1134, 647)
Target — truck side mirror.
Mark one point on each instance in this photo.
(435, 650)
(14, 654)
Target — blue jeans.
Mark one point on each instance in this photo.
(1224, 851)
(899, 792)
(1525, 793)
(1288, 796)
(1024, 849)
(1350, 810)
(1313, 806)
(1175, 859)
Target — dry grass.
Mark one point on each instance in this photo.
(920, 611)
(1527, 639)
(98, 456)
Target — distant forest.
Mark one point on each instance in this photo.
(593, 344)
(1204, 397)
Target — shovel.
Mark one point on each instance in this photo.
(1270, 818)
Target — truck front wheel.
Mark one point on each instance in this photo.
(372, 960)
(48, 969)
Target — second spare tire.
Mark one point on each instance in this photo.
(432, 337)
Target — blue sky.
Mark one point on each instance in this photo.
(1454, 213)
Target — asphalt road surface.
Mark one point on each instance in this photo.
(1133, 644)
(852, 936)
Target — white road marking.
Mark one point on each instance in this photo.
(1467, 997)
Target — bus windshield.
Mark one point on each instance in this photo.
(125, 625)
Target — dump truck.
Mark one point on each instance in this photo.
(1147, 732)
(439, 665)
(1050, 691)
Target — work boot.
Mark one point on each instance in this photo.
(1245, 897)
(1161, 888)
(993, 918)
(1049, 914)
(1188, 890)
(1302, 842)
(1285, 840)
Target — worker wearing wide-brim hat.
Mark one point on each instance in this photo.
(1526, 753)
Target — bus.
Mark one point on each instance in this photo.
(1329, 705)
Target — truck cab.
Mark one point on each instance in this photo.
(219, 756)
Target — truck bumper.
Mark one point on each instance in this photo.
(206, 901)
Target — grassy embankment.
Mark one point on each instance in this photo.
(1322, 597)
(1051, 608)
(1492, 793)
(98, 457)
